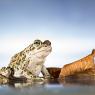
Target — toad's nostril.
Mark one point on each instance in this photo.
(47, 42)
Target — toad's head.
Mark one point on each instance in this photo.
(40, 49)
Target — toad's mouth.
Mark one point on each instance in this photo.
(48, 50)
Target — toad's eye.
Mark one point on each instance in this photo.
(37, 42)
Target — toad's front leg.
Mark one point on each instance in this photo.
(45, 72)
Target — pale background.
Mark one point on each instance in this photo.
(68, 24)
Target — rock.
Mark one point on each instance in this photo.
(54, 71)
(82, 67)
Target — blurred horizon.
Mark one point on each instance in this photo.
(68, 24)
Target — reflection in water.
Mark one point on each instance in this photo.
(80, 81)
(24, 84)
(69, 86)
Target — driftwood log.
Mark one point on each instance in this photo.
(83, 66)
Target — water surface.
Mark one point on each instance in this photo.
(51, 87)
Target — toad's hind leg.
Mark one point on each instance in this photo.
(26, 73)
(30, 77)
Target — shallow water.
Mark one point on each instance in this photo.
(51, 87)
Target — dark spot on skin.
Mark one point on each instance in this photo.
(24, 65)
(27, 50)
(29, 73)
(17, 68)
(13, 60)
(23, 58)
(15, 55)
(22, 72)
(38, 47)
(20, 53)
(32, 48)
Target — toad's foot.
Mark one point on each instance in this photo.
(3, 79)
(35, 79)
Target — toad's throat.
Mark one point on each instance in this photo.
(49, 50)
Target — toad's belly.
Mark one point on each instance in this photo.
(35, 70)
(18, 73)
